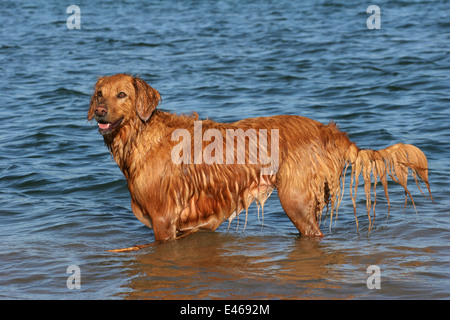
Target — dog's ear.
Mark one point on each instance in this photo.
(93, 100)
(147, 99)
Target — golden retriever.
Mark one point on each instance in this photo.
(185, 175)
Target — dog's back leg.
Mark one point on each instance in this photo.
(299, 209)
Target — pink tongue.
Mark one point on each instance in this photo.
(103, 125)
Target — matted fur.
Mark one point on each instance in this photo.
(175, 199)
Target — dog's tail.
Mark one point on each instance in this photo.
(396, 161)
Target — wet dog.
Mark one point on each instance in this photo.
(185, 175)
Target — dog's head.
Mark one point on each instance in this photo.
(121, 99)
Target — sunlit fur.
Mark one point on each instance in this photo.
(174, 199)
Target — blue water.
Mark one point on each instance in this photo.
(63, 200)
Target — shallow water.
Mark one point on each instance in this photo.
(63, 201)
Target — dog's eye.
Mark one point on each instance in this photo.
(99, 94)
(121, 95)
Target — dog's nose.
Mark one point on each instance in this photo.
(101, 110)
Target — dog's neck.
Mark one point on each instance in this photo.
(126, 145)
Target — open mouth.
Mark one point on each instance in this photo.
(107, 127)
